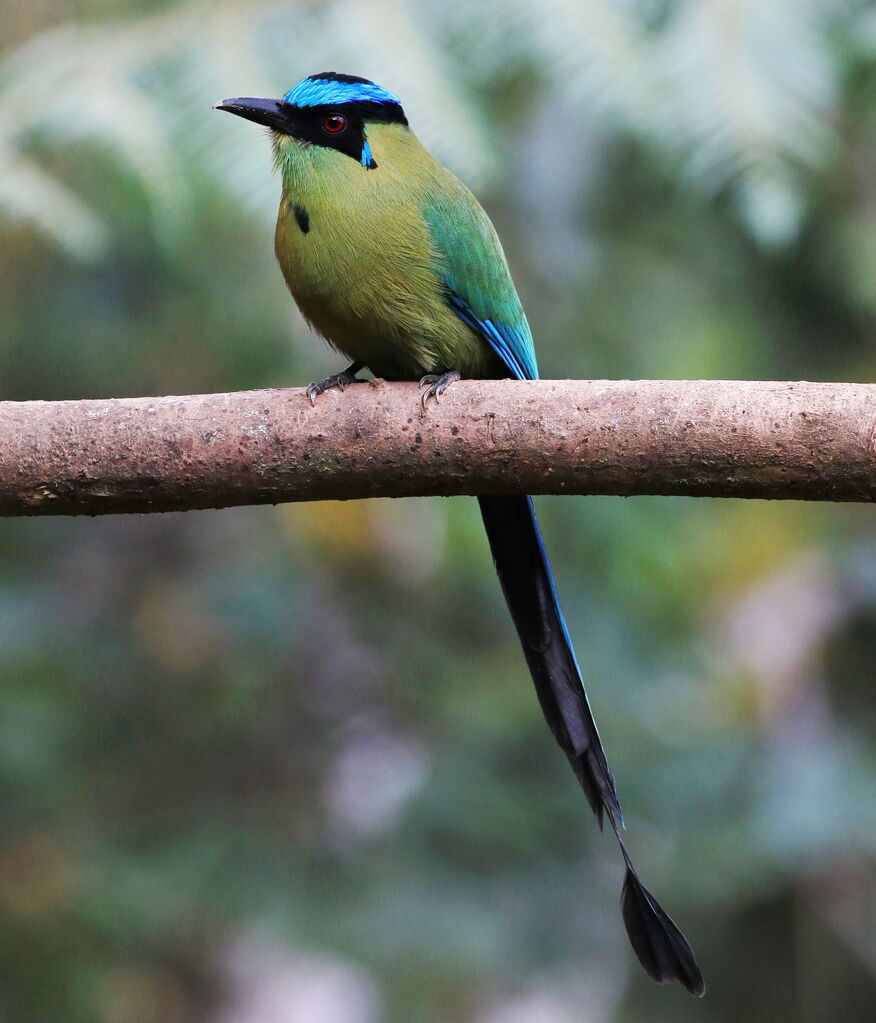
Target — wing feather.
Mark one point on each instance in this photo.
(472, 267)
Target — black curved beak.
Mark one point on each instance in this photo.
(271, 112)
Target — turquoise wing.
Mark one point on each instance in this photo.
(477, 283)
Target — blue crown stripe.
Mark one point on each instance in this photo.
(316, 92)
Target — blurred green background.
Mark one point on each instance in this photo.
(277, 765)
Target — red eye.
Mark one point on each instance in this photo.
(334, 123)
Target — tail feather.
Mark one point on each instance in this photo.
(525, 574)
(660, 946)
(522, 566)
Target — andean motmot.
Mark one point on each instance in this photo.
(395, 263)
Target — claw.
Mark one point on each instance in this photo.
(339, 380)
(436, 384)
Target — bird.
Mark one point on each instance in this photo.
(392, 260)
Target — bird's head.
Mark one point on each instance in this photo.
(326, 110)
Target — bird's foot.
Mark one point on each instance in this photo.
(436, 384)
(339, 380)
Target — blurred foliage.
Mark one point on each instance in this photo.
(285, 764)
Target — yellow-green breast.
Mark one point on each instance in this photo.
(358, 258)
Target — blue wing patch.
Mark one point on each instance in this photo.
(471, 266)
(504, 340)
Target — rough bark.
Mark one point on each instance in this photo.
(813, 441)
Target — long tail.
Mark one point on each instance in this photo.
(525, 574)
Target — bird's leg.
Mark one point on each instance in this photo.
(437, 383)
(339, 380)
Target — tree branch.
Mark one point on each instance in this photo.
(815, 441)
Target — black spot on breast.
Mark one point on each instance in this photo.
(302, 218)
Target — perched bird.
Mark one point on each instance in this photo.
(395, 263)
